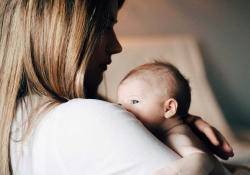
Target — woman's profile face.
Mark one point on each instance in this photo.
(106, 46)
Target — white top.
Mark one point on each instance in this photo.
(86, 136)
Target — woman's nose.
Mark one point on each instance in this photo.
(114, 45)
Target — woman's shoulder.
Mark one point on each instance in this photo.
(83, 136)
(89, 106)
(80, 102)
(83, 110)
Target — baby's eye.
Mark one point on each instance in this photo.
(119, 104)
(135, 101)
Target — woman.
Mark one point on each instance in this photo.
(52, 56)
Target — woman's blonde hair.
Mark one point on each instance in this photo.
(45, 46)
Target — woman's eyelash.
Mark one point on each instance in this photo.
(135, 101)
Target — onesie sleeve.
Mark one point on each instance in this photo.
(97, 137)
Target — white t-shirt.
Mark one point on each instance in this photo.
(86, 136)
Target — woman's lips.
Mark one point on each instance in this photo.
(104, 65)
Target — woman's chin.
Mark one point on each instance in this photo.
(93, 82)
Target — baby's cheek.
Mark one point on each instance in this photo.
(138, 113)
(134, 111)
(146, 117)
(155, 116)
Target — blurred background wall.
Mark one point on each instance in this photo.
(222, 28)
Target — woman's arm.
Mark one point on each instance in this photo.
(210, 136)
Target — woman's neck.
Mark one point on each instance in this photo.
(91, 93)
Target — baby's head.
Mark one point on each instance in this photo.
(153, 92)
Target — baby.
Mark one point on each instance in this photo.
(159, 96)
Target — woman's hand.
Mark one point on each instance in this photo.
(210, 136)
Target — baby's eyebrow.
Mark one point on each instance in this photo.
(135, 95)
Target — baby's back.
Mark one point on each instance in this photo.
(185, 130)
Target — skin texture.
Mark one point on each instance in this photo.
(136, 97)
(184, 142)
(210, 136)
(106, 46)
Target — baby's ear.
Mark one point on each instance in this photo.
(170, 108)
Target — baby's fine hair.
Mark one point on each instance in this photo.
(166, 77)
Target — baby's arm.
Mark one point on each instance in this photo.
(194, 161)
